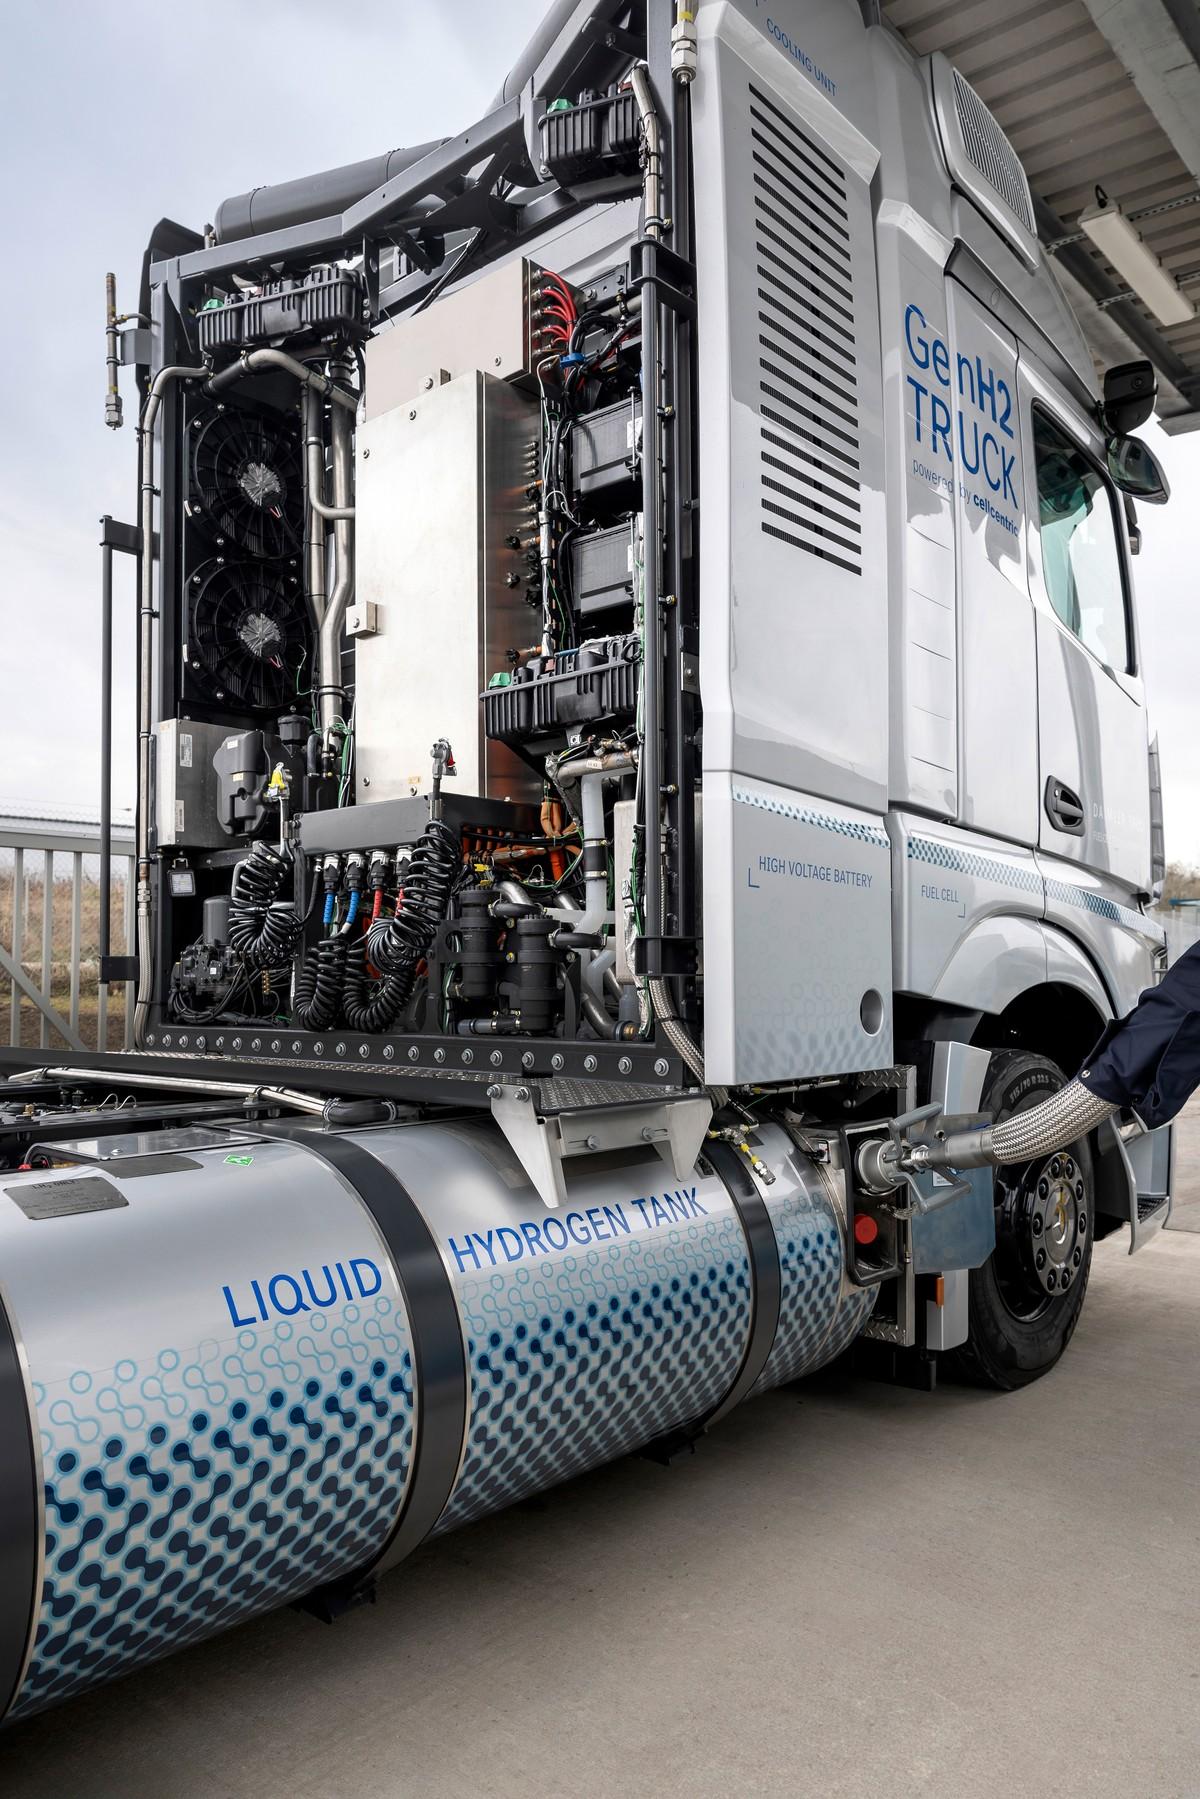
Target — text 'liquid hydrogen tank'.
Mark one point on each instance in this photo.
(234, 1379)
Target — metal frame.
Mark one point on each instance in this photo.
(61, 841)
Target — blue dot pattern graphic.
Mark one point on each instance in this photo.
(576, 1361)
(185, 1495)
(819, 1314)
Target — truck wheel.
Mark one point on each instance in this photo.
(1026, 1299)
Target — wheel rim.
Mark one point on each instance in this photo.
(1043, 1218)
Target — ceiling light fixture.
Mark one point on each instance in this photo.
(1123, 247)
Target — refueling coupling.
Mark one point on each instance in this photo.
(921, 1146)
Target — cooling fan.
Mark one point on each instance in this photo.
(245, 481)
(247, 638)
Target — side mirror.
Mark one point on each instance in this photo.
(1130, 391)
(1136, 471)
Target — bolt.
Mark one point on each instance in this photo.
(388, 1052)
(427, 383)
(255, 1045)
(625, 1065)
(522, 1094)
(590, 1064)
(339, 1049)
(495, 1091)
(318, 1048)
(662, 1066)
(413, 413)
(1081, 1223)
(1055, 1169)
(366, 780)
(439, 1055)
(557, 1062)
(528, 1059)
(1052, 1280)
(1079, 1189)
(220, 1043)
(235, 1046)
(495, 362)
(276, 1046)
(468, 1055)
(1040, 1258)
(1037, 1224)
(1077, 1257)
(1043, 1189)
(297, 1046)
(364, 1050)
(1066, 1277)
(366, 453)
(591, 1143)
(167, 1039)
(202, 1043)
(512, 579)
(496, 1058)
(1070, 1169)
(184, 1040)
(413, 1052)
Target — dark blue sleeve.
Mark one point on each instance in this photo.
(1149, 1061)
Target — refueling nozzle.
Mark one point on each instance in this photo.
(924, 1142)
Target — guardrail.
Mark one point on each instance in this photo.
(50, 988)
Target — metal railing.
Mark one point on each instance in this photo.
(50, 949)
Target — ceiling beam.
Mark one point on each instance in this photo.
(1158, 43)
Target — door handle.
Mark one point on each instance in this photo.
(1064, 808)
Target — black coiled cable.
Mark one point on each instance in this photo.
(262, 928)
(373, 1005)
(318, 994)
(429, 879)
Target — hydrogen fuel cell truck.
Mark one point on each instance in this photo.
(640, 739)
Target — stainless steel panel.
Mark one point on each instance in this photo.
(441, 491)
(185, 792)
(480, 326)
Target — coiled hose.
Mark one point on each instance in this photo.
(318, 995)
(263, 929)
(373, 1005)
(397, 944)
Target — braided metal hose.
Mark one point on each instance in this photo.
(1063, 1118)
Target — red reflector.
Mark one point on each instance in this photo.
(865, 1229)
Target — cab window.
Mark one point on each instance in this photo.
(1081, 556)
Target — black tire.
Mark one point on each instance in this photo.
(1018, 1329)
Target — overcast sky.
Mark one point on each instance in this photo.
(111, 118)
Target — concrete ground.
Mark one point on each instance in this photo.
(850, 1590)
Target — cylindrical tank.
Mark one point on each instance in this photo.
(233, 1375)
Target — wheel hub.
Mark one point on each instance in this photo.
(1054, 1222)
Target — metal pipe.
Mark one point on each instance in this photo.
(113, 415)
(315, 546)
(314, 461)
(639, 81)
(331, 695)
(246, 1090)
(145, 681)
(106, 615)
(252, 360)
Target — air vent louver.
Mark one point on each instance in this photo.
(990, 152)
(808, 390)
